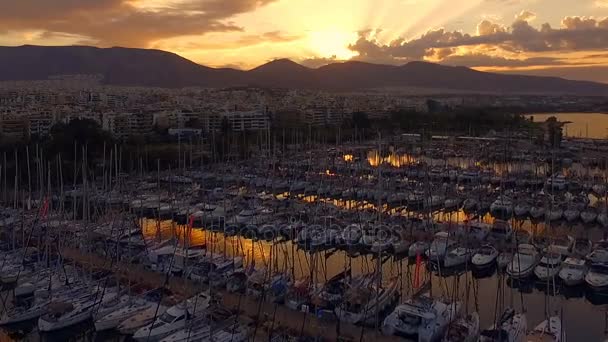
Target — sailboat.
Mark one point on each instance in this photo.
(362, 304)
(511, 327)
(549, 330)
(465, 329)
(573, 271)
(113, 319)
(524, 262)
(421, 317)
(485, 257)
(173, 319)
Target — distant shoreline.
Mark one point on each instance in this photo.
(562, 113)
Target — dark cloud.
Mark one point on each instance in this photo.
(316, 62)
(596, 73)
(483, 60)
(118, 22)
(576, 34)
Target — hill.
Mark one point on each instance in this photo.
(155, 68)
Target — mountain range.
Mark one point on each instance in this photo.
(155, 68)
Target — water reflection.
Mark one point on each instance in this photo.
(582, 125)
(397, 160)
(486, 293)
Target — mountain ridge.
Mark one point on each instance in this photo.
(158, 68)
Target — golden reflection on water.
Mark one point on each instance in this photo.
(393, 159)
(582, 125)
(283, 256)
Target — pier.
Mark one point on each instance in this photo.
(279, 317)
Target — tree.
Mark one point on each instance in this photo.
(361, 120)
(79, 133)
(554, 130)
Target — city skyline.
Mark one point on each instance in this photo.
(543, 37)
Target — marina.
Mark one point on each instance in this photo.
(450, 238)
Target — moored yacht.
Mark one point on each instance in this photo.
(361, 305)
(589, 215)
(440, 246)
(573, 271)
(485, 257)
(458, 256)
(465, 329)
(548, 267)
(422, 317)
(511, 327)
(548, 331)
(173, 319)
(524, 262)
(597, 276)
(502, 207)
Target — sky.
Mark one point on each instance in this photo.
(567, 38)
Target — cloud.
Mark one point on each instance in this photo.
(598, 73)
(575, 34)
(316, 62)
(601, 3)
(525, 16)
(211, 43)
(484, 60)
(122, 22)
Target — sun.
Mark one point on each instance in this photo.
(332, 43)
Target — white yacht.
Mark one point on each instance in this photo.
(141, 319)
(599, 254)
(561, 245)
(537, 211)
(173, 319)
(589, 215)
(501, 231)
(440, 246)
(485, 257)
(573, 271)
(571, 214)
(511, 327)
(186, 257)
(555, 213)
(597, 276)
(548, 267)
(548, 331)
(423, 317)
(502, 207)
(245, 217)
(65, 314)
(458, 257)
(524, 262)
(113, 319)
(361, 305)
(581, 247)
(465, 329)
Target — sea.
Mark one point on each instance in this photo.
(581, 125)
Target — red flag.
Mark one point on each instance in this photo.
(191, 221)
(417, 271)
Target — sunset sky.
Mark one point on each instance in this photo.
(566, 38)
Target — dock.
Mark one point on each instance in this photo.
(271, 316)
